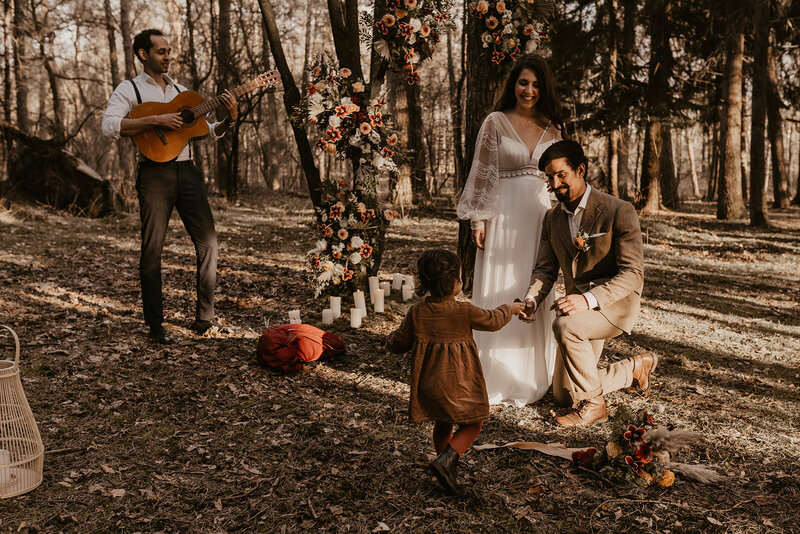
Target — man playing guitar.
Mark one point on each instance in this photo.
(164, 186)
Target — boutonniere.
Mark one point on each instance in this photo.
(581, 241)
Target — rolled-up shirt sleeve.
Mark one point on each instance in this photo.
(119, 105)
(212, 133)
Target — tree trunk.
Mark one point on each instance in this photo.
(112, 44)
(456, 110)
(7, 54)
(758, 164)
(291, 97)
(692, 166)
(651, 167)
(670, 179)
(127, 38)
(48, 61)
(227, 181)
(176, 34)
(780, 174)
(484, 84)
(401, 189)
(626, 179)
(21, 30)
(416, 144)
(613, 137)
(730, 204)
(344, 25)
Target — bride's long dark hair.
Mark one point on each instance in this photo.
(547, 104)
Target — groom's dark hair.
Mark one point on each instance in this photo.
(565, 149)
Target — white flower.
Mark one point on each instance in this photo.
(324, 217)
(346, 101)
(320, 245)
(351, 220)
(415, 25)
(337, 248)
(508, 29)
(506, 16)
(486, 38)
(412, 39)
(356, 242)
(334, 121)
(355, 258)
(343, 223)
(338, 269)
(378, 162)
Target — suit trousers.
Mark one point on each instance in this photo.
(160, 188)
(580, 340)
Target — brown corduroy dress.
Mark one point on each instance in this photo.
(446, 378)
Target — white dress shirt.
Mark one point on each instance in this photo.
(123, 100)
(575, 220)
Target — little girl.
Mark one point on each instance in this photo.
(447, 384)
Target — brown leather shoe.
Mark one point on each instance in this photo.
(643, 364)
(589, 411)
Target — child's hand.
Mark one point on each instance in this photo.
(517, 307)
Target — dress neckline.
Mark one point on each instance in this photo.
(519, 137)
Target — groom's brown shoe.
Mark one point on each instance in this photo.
(589, 411)
(643, 364)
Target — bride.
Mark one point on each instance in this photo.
(505, 199)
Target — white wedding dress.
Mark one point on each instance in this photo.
(506, 189)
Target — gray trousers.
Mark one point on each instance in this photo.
(162, 187)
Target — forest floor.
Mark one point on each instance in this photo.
(197, 437)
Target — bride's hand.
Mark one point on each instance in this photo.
(479, 237)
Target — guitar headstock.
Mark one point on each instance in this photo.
(267, 79)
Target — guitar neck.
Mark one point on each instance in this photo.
(215, 102)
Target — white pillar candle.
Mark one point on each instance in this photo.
(397, 281)
(408, 292)
(373, 287)
(409, 281)
(327, 316)
(378, 303)
(294, 316)
(355, 317)
(336, 306)
(387, 288)
(360, 303)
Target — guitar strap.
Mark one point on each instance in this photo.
(139, 100)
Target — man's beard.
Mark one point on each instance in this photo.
(562, 197)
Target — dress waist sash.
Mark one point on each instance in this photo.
(528, 170)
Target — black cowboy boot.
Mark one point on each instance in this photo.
(444, 467)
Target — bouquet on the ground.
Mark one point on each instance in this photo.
(409, 31)
(350, 125)
(510, 28)
(348, 225)
(639, 451)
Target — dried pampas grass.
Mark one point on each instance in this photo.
(700, 473)
(662, 438)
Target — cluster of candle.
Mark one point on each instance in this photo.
(378, 291)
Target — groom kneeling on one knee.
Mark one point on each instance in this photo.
(596, 242)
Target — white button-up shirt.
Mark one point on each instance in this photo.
(575, 220)
(123, 100)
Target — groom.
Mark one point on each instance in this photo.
(595, 240)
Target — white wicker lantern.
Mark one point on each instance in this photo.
(21, 448)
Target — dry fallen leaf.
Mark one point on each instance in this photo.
(106, 469)
(117, 492)
(218, 504)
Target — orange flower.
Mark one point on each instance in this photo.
(366, 250)
(500, 7)
(342, 234)
(389, 20)
(342, 183)
(333, 134)
(492, 22)
(311, 88)
(327, 231)
(345, 72)
(315, 261)
(412, 77)
(382, 27)
(365, 128)
(425, 30)
(498, 57)
(528, 29)
(411, 4)
(391, 140)
(387, 153)
(347, 274)
(400, 13)
(483, 7)
(342, 111)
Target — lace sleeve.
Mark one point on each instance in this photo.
(479, 199)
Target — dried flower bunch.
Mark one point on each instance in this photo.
(638, 451)
(348, 225)
(351, 125)
(511, 27)
(409, 31)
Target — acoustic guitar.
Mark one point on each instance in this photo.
(163, 144)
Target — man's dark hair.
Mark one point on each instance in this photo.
(438, 271)
(565, 149)
(142, 41)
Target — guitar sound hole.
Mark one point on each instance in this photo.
(187, 116)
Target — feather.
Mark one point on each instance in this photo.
(664, 439)
(700, 473)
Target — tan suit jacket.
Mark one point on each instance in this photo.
(613, 267)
